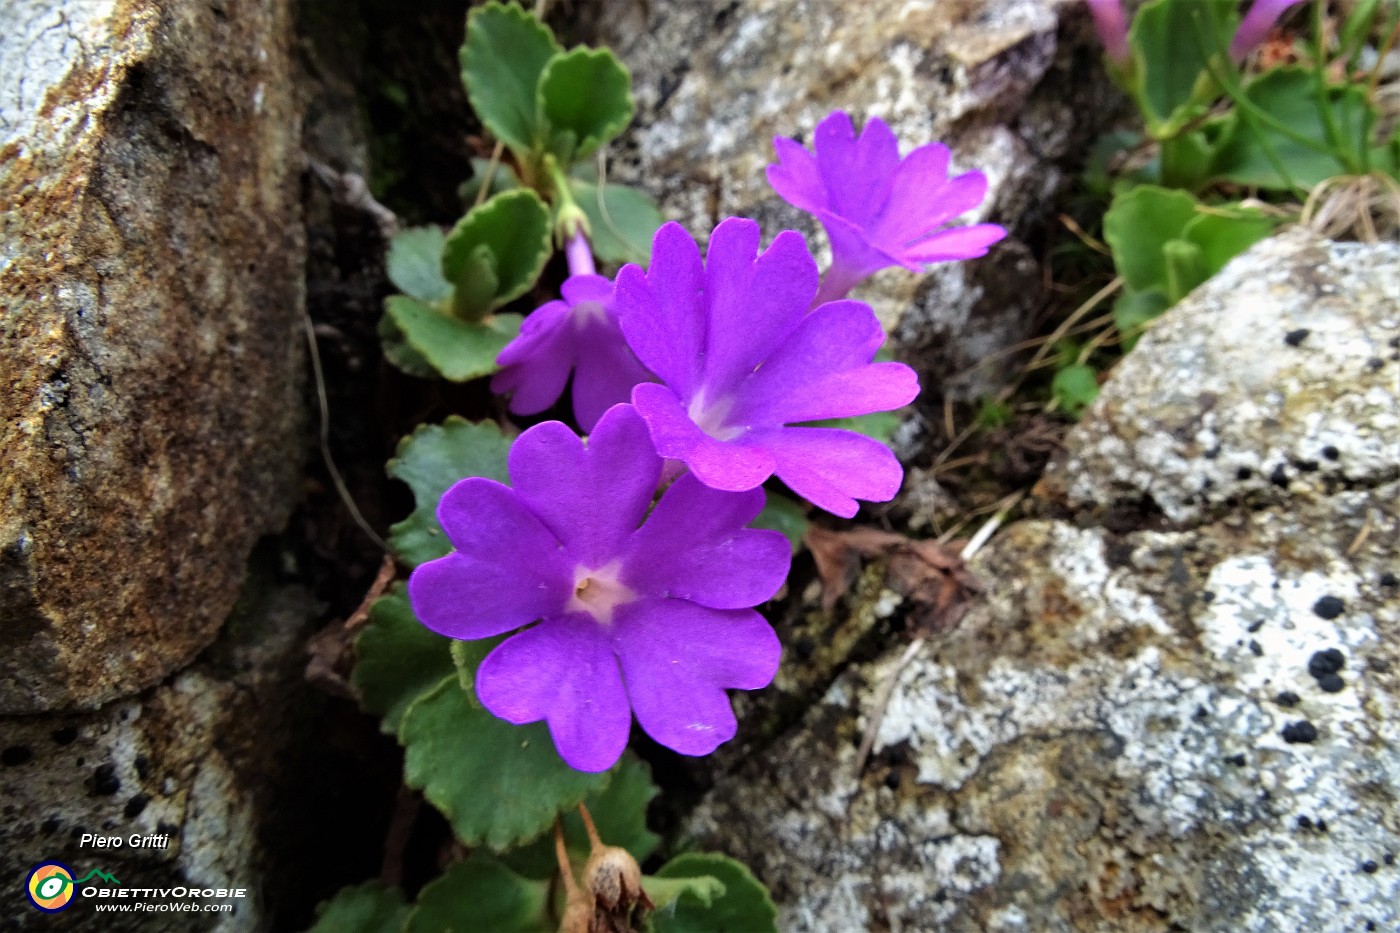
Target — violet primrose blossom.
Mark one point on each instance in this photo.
(636, 612)
(578, 334)
(879, 210)
(741, 360)
(1112, 26)
(1262, 16)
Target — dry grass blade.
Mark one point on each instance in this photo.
(1355, 207)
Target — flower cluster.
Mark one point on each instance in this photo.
(698, 379)
(1111, 23)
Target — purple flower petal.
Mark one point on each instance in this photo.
(563, 671)
(1112, 27)
(535, 365)
(822, 371)
(1261, 18)
(694, 546)
(720, 464)
(832, 468)
(796, 177)
(508, 571)
(856, 170)
(679, 658)
(591, 498)
(662, 327)
(921, 201)
(957, 243)
(753, 304)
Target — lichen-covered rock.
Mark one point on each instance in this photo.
(1005, 83)
(1278, 378)
(1144, 725)
(150, 336)
(198, 770)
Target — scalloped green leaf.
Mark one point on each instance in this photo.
(397, 351)
(499, 785)
(878, 425)
(505, 51)
(622, 220)
(1171, 42)
(367, 908)
(414, 264)
(457, 350)
(398, 659)
(585, 99)
(783, 514)
(742, 904)
(1136, 227)
(619, 812)
(430, 460)
(513, 228)
(482, 894)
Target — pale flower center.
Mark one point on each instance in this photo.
(599, 592)
(588, 312)
(710, 417)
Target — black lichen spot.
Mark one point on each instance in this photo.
(1243, 473)
(135, 806)
(1305, 822)
(1331, 683)
(16, 755)
(1287, 699)
(1374, 363)
(50, 826)
(1207, 596)
(1306, 466)
(1279, 477)
(1370, 867)
(65, 736)
(1329, 607)
(1212, 453)
(167, 828)
(1326, 661)
(1331, 453)
(143, 767)
(1237, 760)
(1256, 649)
(805, 647)
(1301, 732)
(1201, 714)
(1322, 826)
(1389, 580)
(1255, 626)
(1296, 337)
(105, 782)
(892, 780)
(1388, 858)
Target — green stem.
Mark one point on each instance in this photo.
(1320, 94)
(570, 219)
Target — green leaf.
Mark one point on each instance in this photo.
(1250, 152)
(1171, 42)
(481, 894)
(414, 264)
(1134, 309)
(879, 425)
(1224, 232)
(619, 812)
(505, 51)
(430, 460)
(1138, 224)
(1186, 268)
(397, 659)
(457, 350)
(367, 908)
(782, 514)
(513, 228)
(622, 220)
(585, 98)
(1075, 387)
(743, 904)
(399, 353)
(467, 657)
(499, 785)
(503, 178)
(476, 285)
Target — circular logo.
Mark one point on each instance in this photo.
(50, 886)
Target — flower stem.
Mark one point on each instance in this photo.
(836, 284)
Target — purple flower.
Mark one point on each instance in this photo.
(1262, 16)
(740, 359)
(1112, 27)
(578, 334)
(636, 612)
(879, 210)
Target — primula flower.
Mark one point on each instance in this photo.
(740, 359)
(635, 611)
(879, 210)
(578, 334)
(1112, 27)
(1262, 16)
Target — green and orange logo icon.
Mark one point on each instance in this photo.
(50, 886)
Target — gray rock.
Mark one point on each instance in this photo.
(1277, 379)
(1140, 726)
(1005, 83)
(150, 333)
